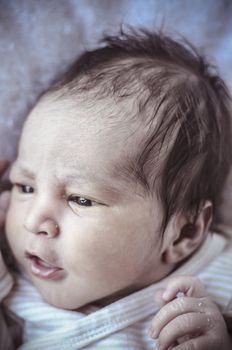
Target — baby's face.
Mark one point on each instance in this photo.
(80, 228)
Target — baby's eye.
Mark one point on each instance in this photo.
(26, 189)
(81, 201)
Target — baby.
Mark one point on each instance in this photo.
(116, 185)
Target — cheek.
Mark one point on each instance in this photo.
(14, 226)
(108, 247)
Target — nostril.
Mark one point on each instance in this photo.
(48, 228)
(42, 233)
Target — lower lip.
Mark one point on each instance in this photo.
(47, 273)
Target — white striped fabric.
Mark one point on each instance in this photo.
(6, 281)
(123, 324)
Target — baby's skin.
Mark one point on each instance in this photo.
(188, 318)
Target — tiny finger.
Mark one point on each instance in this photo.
(199, 343)
(177, 307)
(189, 285)
(191, 325)
(4, 203)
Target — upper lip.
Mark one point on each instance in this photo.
(49, 262)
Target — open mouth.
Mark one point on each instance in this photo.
(43, 269)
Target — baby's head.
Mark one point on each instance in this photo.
(119, 170)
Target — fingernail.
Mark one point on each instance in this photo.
(152, 333)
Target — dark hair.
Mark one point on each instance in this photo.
(184, 102)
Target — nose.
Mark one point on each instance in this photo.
(41, 219)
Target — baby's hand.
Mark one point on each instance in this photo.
(188, 318)
(4, 203)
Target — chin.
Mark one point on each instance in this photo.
(63, 301)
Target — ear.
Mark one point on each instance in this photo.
(183, 237)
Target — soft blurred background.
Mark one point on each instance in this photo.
(39, 38)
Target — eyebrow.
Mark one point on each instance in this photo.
(69, 176)
(65, 176)
(16, 167)
(92, 178)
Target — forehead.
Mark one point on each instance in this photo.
(105, 116)
(99, 122)
(97, 136)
